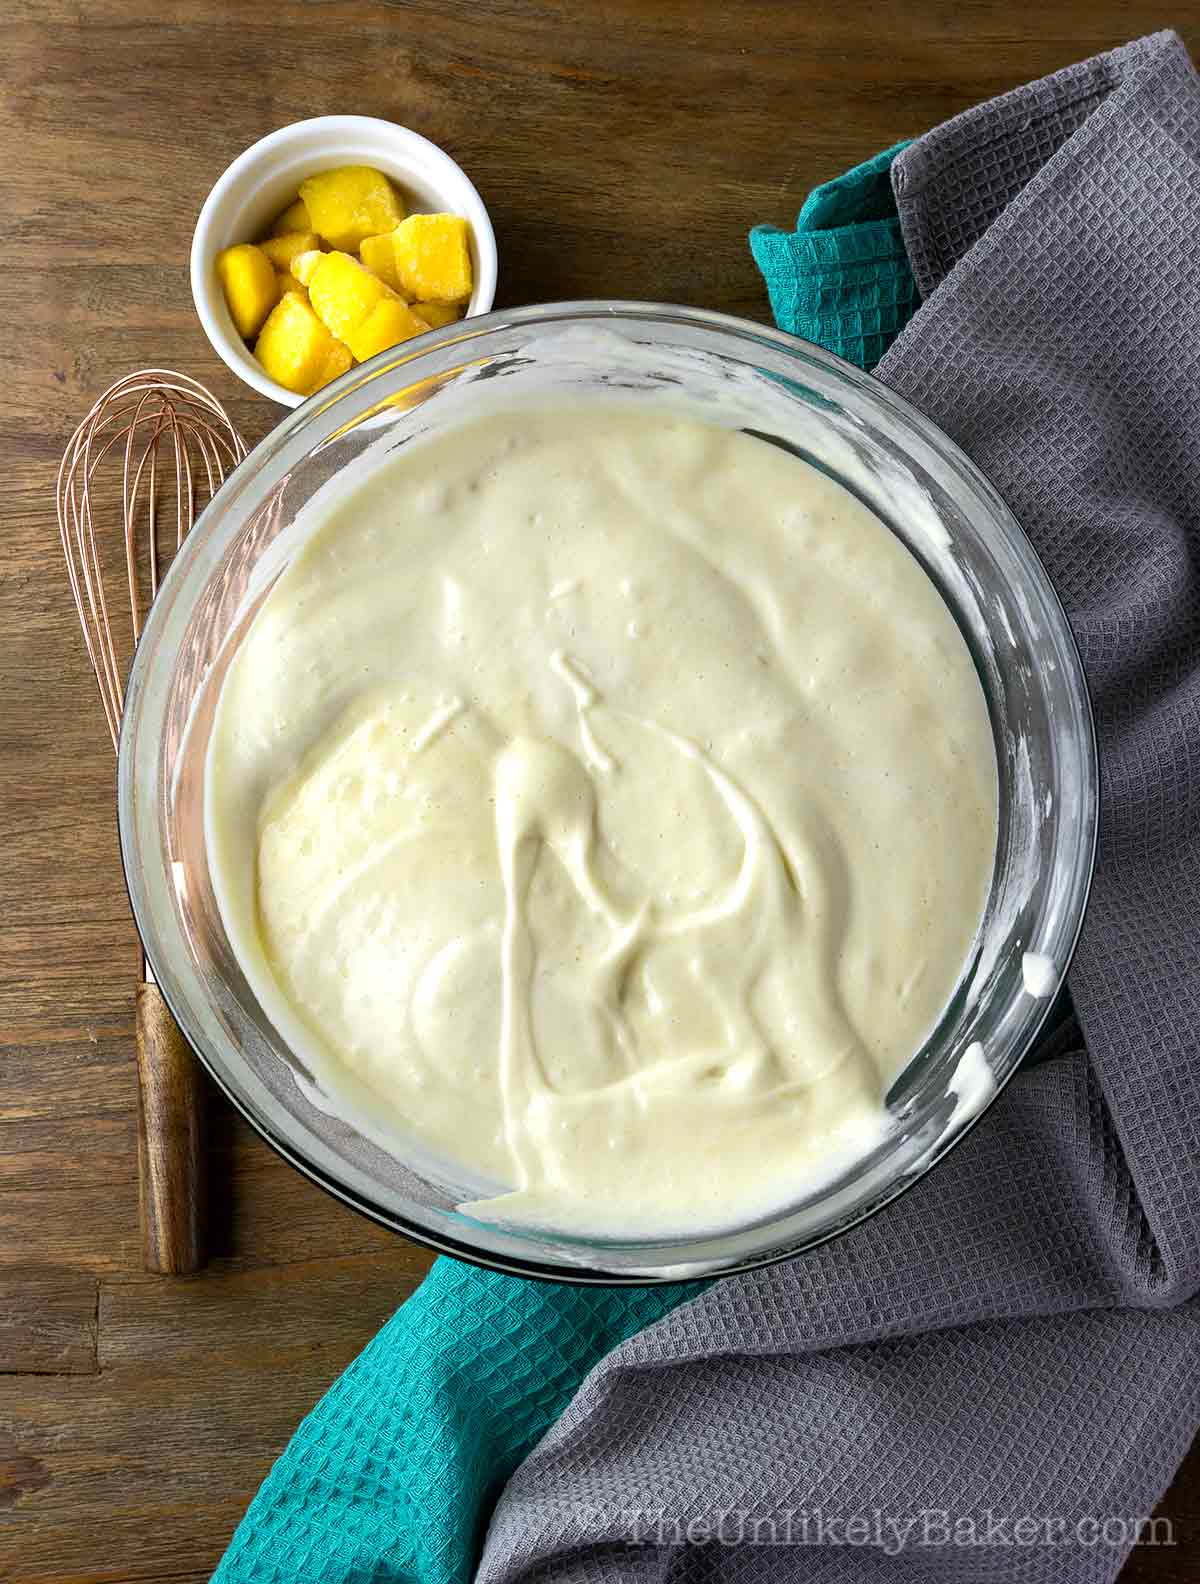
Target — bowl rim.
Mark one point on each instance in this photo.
(203, 247)
(572, 311)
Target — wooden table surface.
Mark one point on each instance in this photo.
(624, 147)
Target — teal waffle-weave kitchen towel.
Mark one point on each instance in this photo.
(842, 277)
(392, 1477)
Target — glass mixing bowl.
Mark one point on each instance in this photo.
(730, 372)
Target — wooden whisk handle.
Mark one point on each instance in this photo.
(170, 1102)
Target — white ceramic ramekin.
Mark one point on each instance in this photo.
(264, 180)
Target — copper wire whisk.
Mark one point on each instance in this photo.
(141, 416)
(169, 443)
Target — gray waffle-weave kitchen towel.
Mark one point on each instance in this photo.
(991, 1378)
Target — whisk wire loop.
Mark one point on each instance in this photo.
(148, 412)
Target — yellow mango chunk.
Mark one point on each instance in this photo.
(336, 360)
(297, 350)
(389, 322)
(293, 218)
(289, 283)
(433, 258)
(437, 314)
(343, 293)
(352, 203)
(358, 308)
(378, 254)
(304, 265)
(247, 278)
(281, 250)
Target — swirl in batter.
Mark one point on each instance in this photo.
(608, 803)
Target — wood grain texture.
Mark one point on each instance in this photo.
(48, 1321)
(624, 147)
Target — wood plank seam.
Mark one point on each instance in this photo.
(49, 1322)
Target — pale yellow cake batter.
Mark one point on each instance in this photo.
(612, 799)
